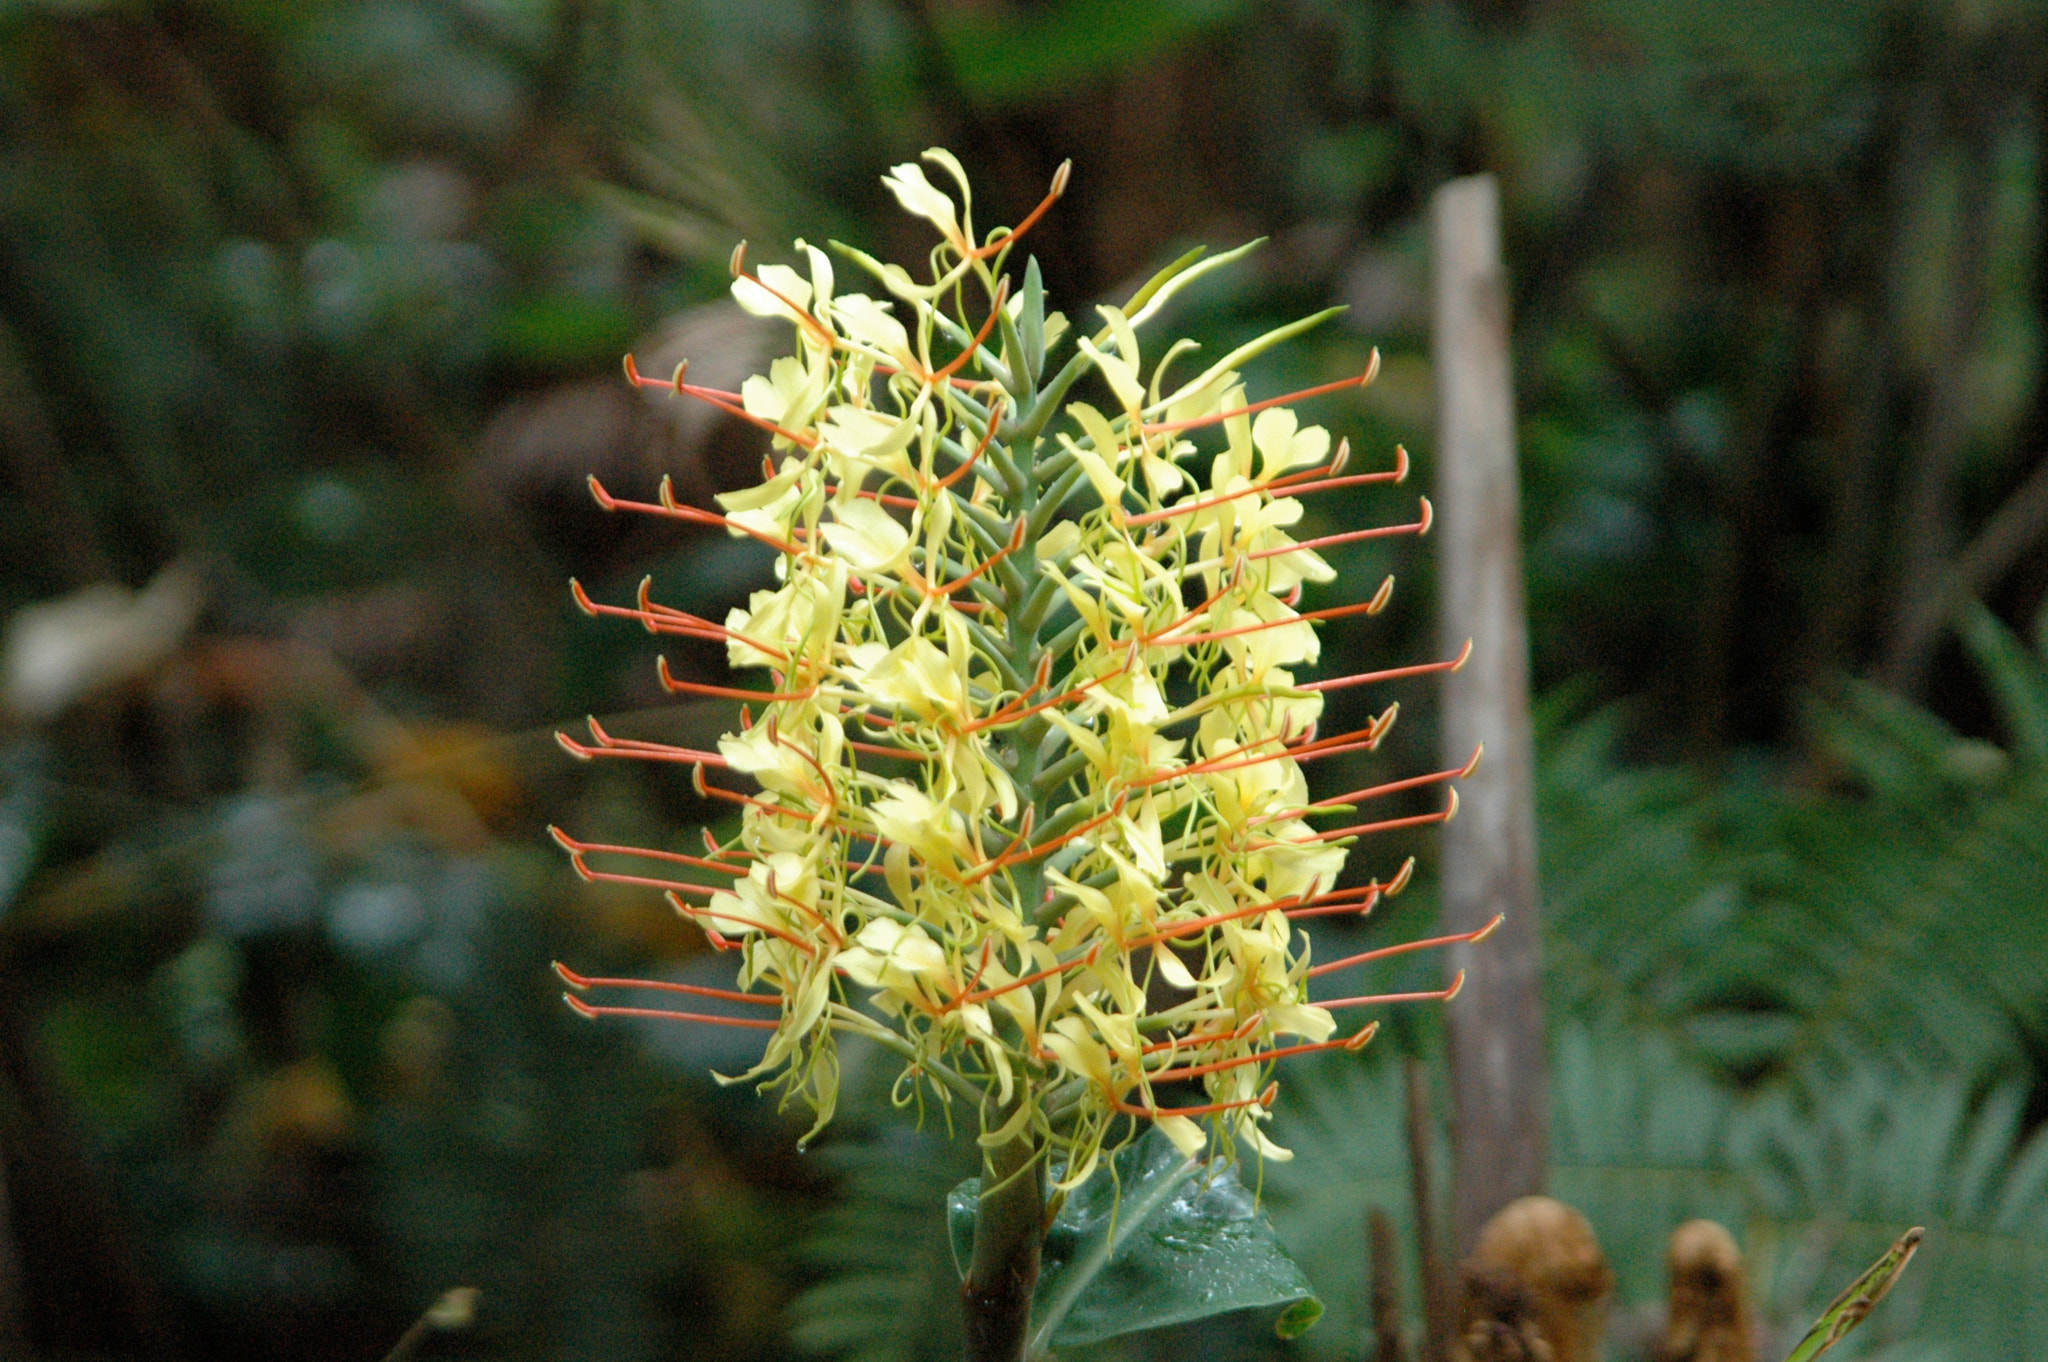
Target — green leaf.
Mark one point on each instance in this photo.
(1258, 345)
(1172, 271)
(1160, 289)
(1904, 753)
(1858, 1299)
(1067, 45)
(2015, 676)
(1157, 1240)
(560, 330)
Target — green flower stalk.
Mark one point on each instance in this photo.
(1024, 801)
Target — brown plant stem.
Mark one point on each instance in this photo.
(1009, 1231)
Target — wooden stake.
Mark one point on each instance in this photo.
(1499, 1083)
(1389, 1343)
(1437, 1323)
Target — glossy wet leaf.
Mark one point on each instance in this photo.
(1163, 1241)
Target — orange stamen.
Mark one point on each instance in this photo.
(1372, 371)
(1285, 907)
(1391, 787)
(1393, 673)
(1059, 187)
(1441, 995)
(979, 450)
(1364, 739)
(1408, 947)
(691, 910)
(1399, 473)
(960, 360)
(665, 612)
(661, 619)
(1201, 1038)
(1371, 607)
(585, 873)
(1417, 527)
(718, 399)
(1094, 954)
(581, 982)
(1264, 1099)
(989, 868)
(1352, 1043)
(1017, 710)
(608, 746)
(673, 686)
(804, 318)
(1449, 812)
(576, 848)
(1033, 853)
(587, 1010)
(1016, 542)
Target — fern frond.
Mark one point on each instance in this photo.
(2018, 677)
(887, 1290)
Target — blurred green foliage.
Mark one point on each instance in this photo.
(324, 301)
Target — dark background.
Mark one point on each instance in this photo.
(310, 325)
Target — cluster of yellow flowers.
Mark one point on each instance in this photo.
(1031, 809)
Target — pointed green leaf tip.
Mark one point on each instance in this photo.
(1298, 1318)
(1163, 1240)
(1859, 1298)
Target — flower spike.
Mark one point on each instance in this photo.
(971, 824)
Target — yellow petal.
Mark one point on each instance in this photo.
(1185, 1134)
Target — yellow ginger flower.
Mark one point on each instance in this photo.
(1030, 756)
